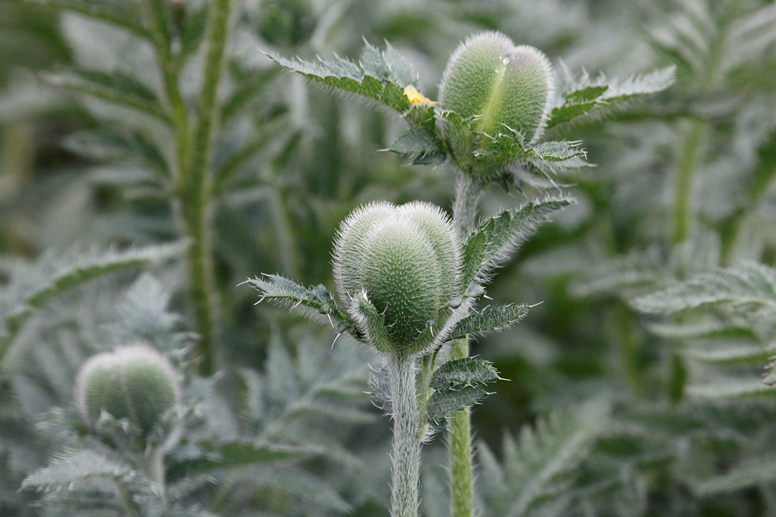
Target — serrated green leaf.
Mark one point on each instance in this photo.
(287, 293)
(377, 76)
(75, 466)
(587, 96)
(569, 112)
(58, 274)
(496, 240)
(749, 285)
(115, 88)
(636, 270)
(493, 318)
(538, 468)
(466, 372)
(443, 403)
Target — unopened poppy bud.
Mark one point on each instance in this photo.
(134, 382)
(405, 259)
(506, 87)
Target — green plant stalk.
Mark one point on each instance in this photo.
(286, 255)
(684, 217)
(160, 32)
(196, 189)
(153, 466)
(405, 453)
(192, 175)
(426, 367)
(467, 197)
(683, 203)
(460, 449)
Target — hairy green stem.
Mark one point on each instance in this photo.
(158, 12)
(425, 373)
(153, 466)
(460, 449)
(196, 189)
(405, 454)
(467, 197)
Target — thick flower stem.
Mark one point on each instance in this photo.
(153, 465)
(468, 191)
(405, 455)
(459, 448)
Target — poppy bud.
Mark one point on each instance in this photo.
(134, 382)
(505, 87)
(405, 259)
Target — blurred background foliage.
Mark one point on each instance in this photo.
(682, 187)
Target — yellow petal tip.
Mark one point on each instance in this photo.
(417, 98)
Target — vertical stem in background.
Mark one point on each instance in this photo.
(405, 455)
(459, 447)
(192, 160)
(158, 12)
(684, 208)
(286, 255)
(195, 191)
(684, 216)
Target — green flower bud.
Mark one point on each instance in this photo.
(134, 382)
(406, 260)
(504, 86)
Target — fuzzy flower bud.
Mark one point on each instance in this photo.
(506, 87)
(134, 382)
(405, 260)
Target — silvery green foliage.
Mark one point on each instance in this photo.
(585, 97)
(691, 255)
(290, 164)
(537, 471)
(32, 286)
(298, 409)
